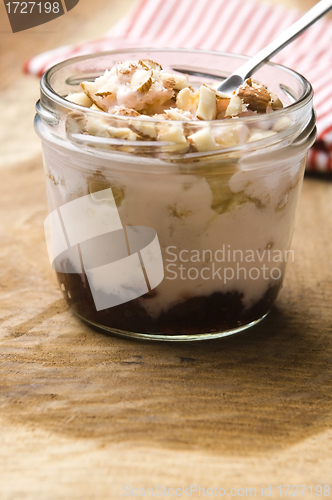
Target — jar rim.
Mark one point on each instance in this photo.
(294, 120)
(49, 91)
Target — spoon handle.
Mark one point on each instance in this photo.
(309, 18)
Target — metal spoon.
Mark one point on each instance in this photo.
(246, 70)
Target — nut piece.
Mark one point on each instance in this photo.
(257, 134)
(176, 114)
(257, 97)
(282, 124)
(187, 100)
(222, 105)
(181, 81)
(76, 123)
(80, 98)
(125, 68)
(173, 133)
(97, 127)
(97, 108)
(122, 133)
(141, 80)
(203, 140)
(90, 89)
(107, 90)
(168, 81)
(150, 64)
(183, 99)
(160, 116)
(207, 105)
(232, 135)
(144, 128)
(122, 111)
(235, 106)
(275, 102)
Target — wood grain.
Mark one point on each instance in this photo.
(83, 413)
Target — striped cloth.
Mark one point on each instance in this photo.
(236, 26)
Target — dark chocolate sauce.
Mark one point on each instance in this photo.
(204, 314)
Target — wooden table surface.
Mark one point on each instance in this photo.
(83, 414)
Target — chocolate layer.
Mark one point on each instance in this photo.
(203, 314)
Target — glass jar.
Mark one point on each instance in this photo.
(152, 241)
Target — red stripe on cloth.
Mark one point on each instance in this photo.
(303, 54)
(204, 22)
(323, 115)
(218, 29)
(146, 18)
(253, 36)
(275, 23)
(301, 47)
(290, 18)
(74, 51)
(326, 131)
(210, 28)
(240, 29)
(26, 67)
(179, 21)
(195, 14)
(140, 8)
(322, 161)
(312, 159)
(217, 44)
(165, 14)
(323, 91)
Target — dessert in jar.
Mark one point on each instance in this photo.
(171, 204)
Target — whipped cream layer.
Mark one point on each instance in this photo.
(196, 217)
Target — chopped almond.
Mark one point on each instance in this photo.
(151, 64)
(203, 140)
(168, 82)
(222, 104)
(173, 133)
(124, 112)
(257, 98)
(207, 105)
(80, 98)
(141, 81)
(235, 106)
